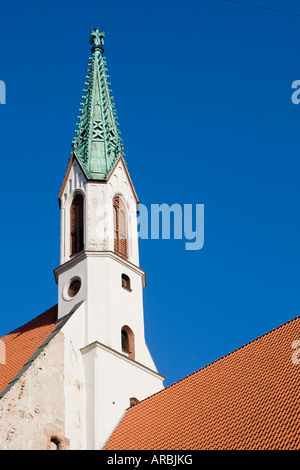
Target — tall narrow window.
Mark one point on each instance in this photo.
(120, 227)
(127, 340)
(76, 224)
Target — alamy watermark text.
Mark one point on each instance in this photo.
(2, 92)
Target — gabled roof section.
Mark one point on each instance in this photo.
(123, 163)
(247, 400)
(20, 347)
(97, 144)
(66, 176)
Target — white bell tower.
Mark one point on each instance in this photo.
(99, 262)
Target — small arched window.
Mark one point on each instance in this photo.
(127, 339)
(76, 224)
(126, 282)
(120, 227)
(133, 401)
(55, 443)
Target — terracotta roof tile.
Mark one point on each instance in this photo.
(22, 343)
(248, 399)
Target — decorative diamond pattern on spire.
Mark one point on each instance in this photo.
(97, 144)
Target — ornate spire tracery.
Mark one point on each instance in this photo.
(97, 144)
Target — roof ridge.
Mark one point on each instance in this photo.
(217, 360)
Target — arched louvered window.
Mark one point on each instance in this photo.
(76, 224)
(120, 227)
(127, 339)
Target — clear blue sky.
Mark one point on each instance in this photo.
(203, 94)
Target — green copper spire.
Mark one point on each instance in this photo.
(97, 144)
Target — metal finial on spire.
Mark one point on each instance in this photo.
(97, 39)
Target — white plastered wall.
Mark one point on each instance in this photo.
(108, 306)
(74, 380)
(111, 380)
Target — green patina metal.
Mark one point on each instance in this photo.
(97, 144)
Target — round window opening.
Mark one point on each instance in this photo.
(74, 288)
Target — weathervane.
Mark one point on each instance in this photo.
(97, 40)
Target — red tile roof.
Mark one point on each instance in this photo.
(19, 346)
(248, 399)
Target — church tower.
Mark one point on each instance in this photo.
(99, 273)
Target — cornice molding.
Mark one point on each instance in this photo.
(97, 345)
(99, 254)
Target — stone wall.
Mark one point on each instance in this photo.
(32, 411)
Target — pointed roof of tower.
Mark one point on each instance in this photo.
(97, 144)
